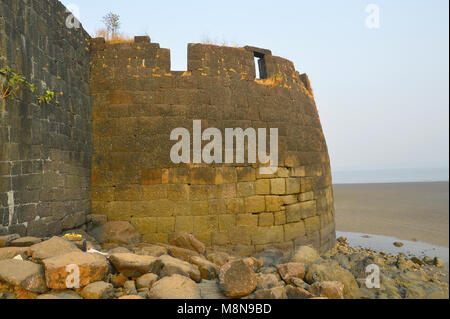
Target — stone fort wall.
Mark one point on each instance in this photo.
(45, 149)
(138, 101)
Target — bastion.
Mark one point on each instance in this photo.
(138, 101)
(103, 145)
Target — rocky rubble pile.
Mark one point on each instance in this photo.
(114, 264)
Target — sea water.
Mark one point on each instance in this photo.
(385, 243)
(391, 176)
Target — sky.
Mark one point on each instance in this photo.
(382, 93)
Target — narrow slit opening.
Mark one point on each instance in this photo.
(260, 66)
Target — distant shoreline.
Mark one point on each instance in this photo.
(415, 211)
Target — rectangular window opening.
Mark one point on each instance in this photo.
(260, 66)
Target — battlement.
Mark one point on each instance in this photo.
(142, 58)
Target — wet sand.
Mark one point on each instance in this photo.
(408, 211)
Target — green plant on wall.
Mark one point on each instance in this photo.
(47, 97)
(12, 82)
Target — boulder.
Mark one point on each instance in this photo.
(132, 265)
(146, 281)
(210, 289)
(53, 247)
(175, 287)
(129, 288)
(188, 241)
(5, 240)
(25, 242)
(119, 250)
(150, 250)
(297, 282)
(438, 262)
(98, 290)
(273, 293)
(271, 256)
(291, 270)
(171, 266)
(181, 253)
(24, 274)
(237, 279)
(92, 268)
(219, 258)
(60, 295)
(253, 262)
(11, 252)
(305, 255)
(298, 293)
(329, 289)
(331, 271)
(268, 281)
(120, 233)
(118, 280)
(208, 270)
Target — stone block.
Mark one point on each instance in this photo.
(278, 186)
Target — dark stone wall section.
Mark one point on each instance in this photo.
(45, 150)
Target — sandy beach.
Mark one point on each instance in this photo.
(408, 211)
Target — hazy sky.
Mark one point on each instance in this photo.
(382, 93)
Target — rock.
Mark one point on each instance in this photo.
(331, 271)
(398, 244)
(171, 266)
(144, 294)
(5, 240)
(129, 288)
(175, 287)
(94, 221)
(297, 293)
(188, 241)
(60, 295)
(208, 270)
(132, 265)
(151, 250)
(254, 263)
(297, 282)
(273, 293)
(118, 280)
(11, 252)
(305, 255)
(146, 281)
(342, 240)
(92, 268)
(181, 253)
(270, 256)
(24, 274)
(133, 297)
(291, 270)
(438, 262)
(237, 279)
(418, 261)
(53, 247)
(119, 250)
(98, 290)
(210, 289)
(329, 289)
(120, 233)
(25, 242)
(268, 281)
(219, 258)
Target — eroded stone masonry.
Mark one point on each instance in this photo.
(136, 101)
